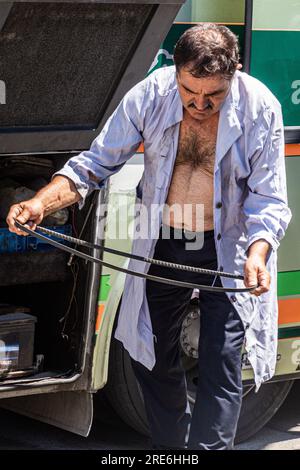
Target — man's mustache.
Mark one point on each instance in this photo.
(208, 106)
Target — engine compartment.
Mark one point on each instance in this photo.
(42, 281)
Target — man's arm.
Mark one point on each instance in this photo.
(116, 143)
(60, 193)
(267, 214)
(83, 173)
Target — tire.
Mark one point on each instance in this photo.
(122, 389)
(124, 395)
(258, 408)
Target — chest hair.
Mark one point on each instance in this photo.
(197, 147)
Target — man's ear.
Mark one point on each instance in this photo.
(239, 66)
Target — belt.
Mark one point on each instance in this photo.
(144, 259)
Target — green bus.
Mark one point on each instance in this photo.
(52, 55)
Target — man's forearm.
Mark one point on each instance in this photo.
(60, 193)
(260, 248)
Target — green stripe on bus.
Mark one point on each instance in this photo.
(275, 59)
(104, 287)
(288, 283)
(291, 332)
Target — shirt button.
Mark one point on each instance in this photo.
(219, 205)
(219, 236)
(233, 298)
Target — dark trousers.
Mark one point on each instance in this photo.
(219, 389)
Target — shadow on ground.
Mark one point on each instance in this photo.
(109, 432)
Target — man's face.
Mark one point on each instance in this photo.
(202, 97)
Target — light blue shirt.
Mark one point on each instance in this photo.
(250, 181)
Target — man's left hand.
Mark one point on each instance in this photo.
(255, 272)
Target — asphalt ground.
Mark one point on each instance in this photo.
(109, 432)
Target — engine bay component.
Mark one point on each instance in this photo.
(16, 342)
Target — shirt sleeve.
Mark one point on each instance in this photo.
(116, 143)
(266, 210)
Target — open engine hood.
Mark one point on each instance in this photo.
(66, 65)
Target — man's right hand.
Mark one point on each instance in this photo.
(31, 211)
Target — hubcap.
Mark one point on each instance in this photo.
(189, 340)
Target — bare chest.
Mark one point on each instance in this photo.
(197, 146)
(193, 175)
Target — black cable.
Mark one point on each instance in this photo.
(144, 259)
(163, 280)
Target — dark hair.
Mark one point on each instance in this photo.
(207, 49)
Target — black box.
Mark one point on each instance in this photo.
(16, 341)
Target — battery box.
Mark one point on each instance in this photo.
(16, 341)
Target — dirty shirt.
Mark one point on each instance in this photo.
(250, 197)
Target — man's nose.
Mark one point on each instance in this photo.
(201, 103)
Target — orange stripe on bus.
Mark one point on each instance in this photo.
(99, 316)
(140, 149)
(292, 149)
(289, 311)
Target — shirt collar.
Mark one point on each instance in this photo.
(230, 128)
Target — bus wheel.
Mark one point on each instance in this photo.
(124, 394)
(123, 391)
(258, 408)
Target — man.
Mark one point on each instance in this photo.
(213, 137)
